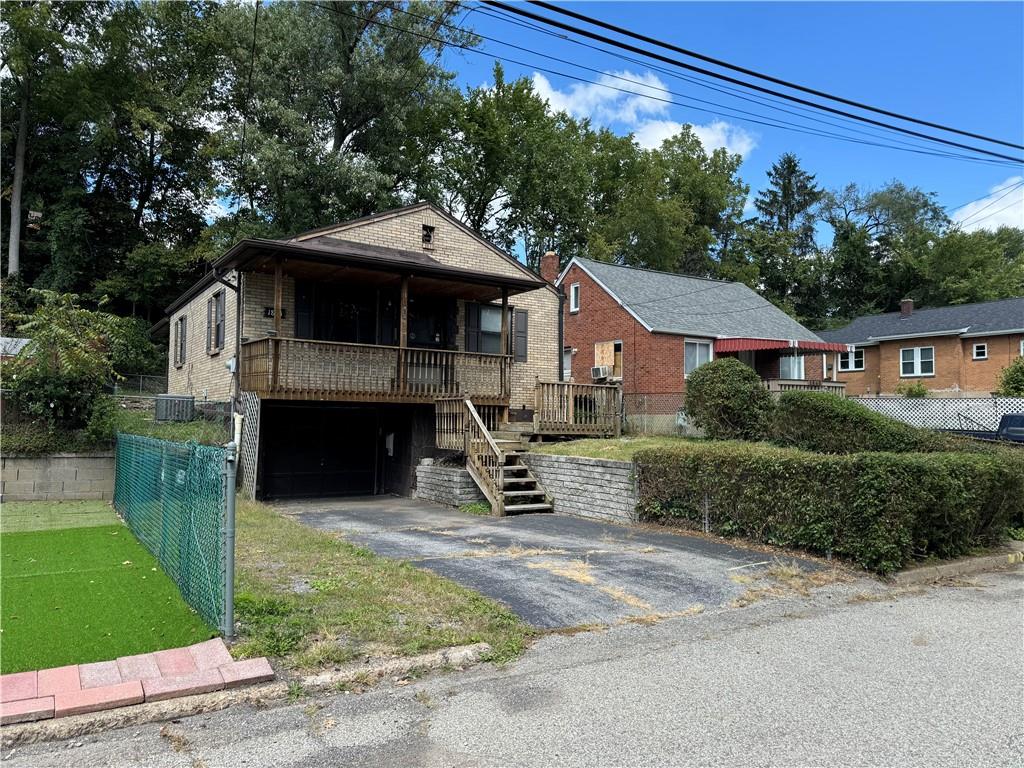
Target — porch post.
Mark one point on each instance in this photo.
(505, 388)
(278, 296)
(403, 332)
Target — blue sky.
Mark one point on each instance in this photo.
(961, 64)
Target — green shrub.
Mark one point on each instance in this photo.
(912, 389)
(1011, 380)
(62, 370)
(39, 439)
(821, 421)
(727, 400)
(879, 510)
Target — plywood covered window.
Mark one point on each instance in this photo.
(609, 354)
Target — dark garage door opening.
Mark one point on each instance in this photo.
(311, 450)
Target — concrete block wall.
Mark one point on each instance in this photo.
(451, 486)
(599, 489)
(58, 477)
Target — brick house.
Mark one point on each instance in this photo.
(338, 344)
(955, 351)
(650, 329)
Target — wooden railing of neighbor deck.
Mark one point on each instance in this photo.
(303, 369)
(565, 408)
(804, 385)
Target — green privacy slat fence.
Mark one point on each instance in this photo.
(175, 498)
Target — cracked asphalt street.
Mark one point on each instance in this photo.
(851, 674)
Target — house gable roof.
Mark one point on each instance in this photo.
(664, 302)
(984, 318)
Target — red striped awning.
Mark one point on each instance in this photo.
(747, 345)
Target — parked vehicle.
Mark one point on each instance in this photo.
(1011, 429)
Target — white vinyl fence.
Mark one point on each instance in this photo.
(946, 412)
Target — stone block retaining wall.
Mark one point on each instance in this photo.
(452, 486)
(596, 488)
(58, 477)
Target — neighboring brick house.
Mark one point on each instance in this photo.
(650, 329)
(346, 337)
(957, 351)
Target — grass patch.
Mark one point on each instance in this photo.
(20, 516)
(479, 508)
(201, 430)
(75, 595)
(612, 448)
(312, 599)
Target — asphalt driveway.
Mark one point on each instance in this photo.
(553, 571)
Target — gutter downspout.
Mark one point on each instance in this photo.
(561, 333)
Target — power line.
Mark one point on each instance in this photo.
(807, 113)
(767, 122)
(762, 76)
(990, 215)
(727, 91)
(985, 196)
(245, 114)
(753, 86)
(1010, 191)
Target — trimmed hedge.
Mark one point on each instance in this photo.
(727, 400)
(821, 421)
(879, 510)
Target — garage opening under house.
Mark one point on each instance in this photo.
(361, 348)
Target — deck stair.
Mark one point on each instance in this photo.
(494, 459)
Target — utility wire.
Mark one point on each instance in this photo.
(736, 81)
(245, 114)
(761, 75)
(806, 113)
(985, 196)
(767, 122)
(841, 126)
(990, 215)
(1008, 192)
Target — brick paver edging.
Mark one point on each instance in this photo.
(79, 688)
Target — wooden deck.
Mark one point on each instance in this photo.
(578, 410)
(303, 369)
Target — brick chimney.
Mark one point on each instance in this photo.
(549, 266)
(906, 307)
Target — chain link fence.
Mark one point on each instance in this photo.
(178, 499)
(659, 413)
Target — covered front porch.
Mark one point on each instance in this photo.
(353, 322)
(784, 365)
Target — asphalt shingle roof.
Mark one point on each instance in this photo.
(987, 317)
(697, 306)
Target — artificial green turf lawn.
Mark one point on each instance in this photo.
(48, 515)
(77, 595)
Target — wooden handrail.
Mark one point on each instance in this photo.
(568, 408)
(324, 342)
(485, 460)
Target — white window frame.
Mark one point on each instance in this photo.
(699, 342)
(984, 351)
(574, 298)
(802, 367)
(851, 359)
(916, 361)
(567, 352)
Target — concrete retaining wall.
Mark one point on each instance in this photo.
(596, 488)
(57, 477)
(445, 485)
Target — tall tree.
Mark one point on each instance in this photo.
(788, 203)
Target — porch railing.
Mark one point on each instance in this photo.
(566, 408)
(804, 385)
(484, 459)
(304, 369)
(450, 414)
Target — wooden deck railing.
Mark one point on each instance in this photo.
(303, 369)
(564, 408)
(789, 385)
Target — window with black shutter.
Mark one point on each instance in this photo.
(215, 323)
(520, 330)
(180, 336)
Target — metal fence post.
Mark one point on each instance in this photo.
(228, 539)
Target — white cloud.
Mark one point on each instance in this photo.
(1003, 207)
(634, 108)
(714, 135)
(604, 104)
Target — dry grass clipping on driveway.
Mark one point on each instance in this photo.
(312, 599)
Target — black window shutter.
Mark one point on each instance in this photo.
(220, 310)
(184, 338)
(209, 324)
(521, 333)
(472, 327)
